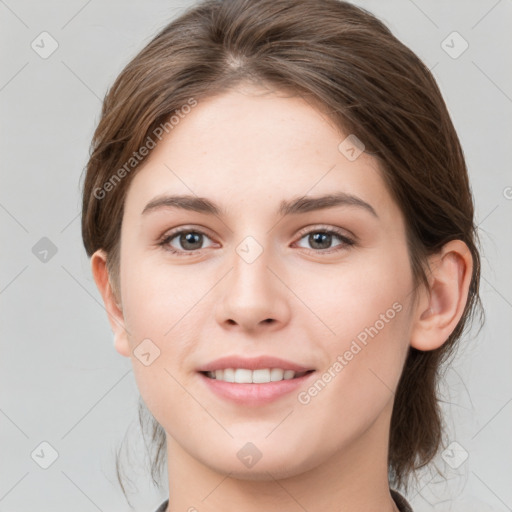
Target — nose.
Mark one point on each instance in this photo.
(252, 297)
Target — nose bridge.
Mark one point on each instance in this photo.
(250, 263)
(252, 294)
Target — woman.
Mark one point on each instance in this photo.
(280, 223)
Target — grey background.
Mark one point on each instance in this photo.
(62, 382)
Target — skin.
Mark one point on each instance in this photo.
(247, 150)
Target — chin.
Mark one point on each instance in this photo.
(262, 474)
(268, 468)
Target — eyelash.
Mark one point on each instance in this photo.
(346, 242)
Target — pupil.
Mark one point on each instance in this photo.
(190, 238)
(322, 239)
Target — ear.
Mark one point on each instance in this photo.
(114, 311)
(440, 308)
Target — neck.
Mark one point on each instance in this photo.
(352, 479)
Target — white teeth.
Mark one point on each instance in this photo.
(260, 376)
(229, 375)
(276, 374)
(241, 375)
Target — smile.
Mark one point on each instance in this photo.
(259, 376)
(254, 387)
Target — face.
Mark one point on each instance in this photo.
(263, 268)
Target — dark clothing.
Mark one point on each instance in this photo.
(400, 501)
(163, 506)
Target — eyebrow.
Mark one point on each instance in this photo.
(293, 206)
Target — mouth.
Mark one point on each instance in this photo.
(254, 388)
(258, 376)
(253, 381)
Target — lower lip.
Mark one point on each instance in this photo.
(254, 394)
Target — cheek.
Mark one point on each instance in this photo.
(160, 308)
(366, 289)
(366, 306)
(157, 298)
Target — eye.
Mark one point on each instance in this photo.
(187, 241)
(321, 240)
(184, 241)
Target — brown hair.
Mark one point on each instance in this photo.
(341, 57)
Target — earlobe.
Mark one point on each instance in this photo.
(113, 308)
(440, 308)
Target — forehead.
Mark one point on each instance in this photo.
(251, 148)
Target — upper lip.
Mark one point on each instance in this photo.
(254, 363)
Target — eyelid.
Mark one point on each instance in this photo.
(304, 231)
(185, 228)
(326, 227)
